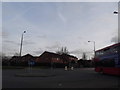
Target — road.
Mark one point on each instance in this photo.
(78, 78)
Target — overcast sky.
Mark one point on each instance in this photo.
(52, 25)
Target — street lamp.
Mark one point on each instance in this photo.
(21, 43)
(115, 12)
(94, 46)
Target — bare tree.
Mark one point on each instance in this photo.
(16, 54)
(84, 57)
(5, 59)
(63, 50)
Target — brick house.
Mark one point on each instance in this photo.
(85, 63)
(48, 58)
(22, 60)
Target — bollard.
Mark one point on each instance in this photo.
(65, 67)
(71, 68)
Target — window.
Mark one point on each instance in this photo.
(99, 53)
(114, 50)
(57, 59)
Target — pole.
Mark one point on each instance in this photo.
(21, 43)
(51, 64)
(94, 47)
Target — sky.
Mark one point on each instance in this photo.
(52, 25)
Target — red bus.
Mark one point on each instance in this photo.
(107, 60)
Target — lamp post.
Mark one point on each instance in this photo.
(115, 12)
(21, 43)
(94, 46)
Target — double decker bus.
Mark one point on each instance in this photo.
(107, 60)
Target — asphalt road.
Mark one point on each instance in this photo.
(78, 78)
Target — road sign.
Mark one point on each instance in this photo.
(31, 63)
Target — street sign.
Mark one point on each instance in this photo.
(31, 63)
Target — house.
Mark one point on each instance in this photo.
(27, 58)
(50, 58)
(46, 58)
(17, 60)
(69, 58)
(85, 63)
